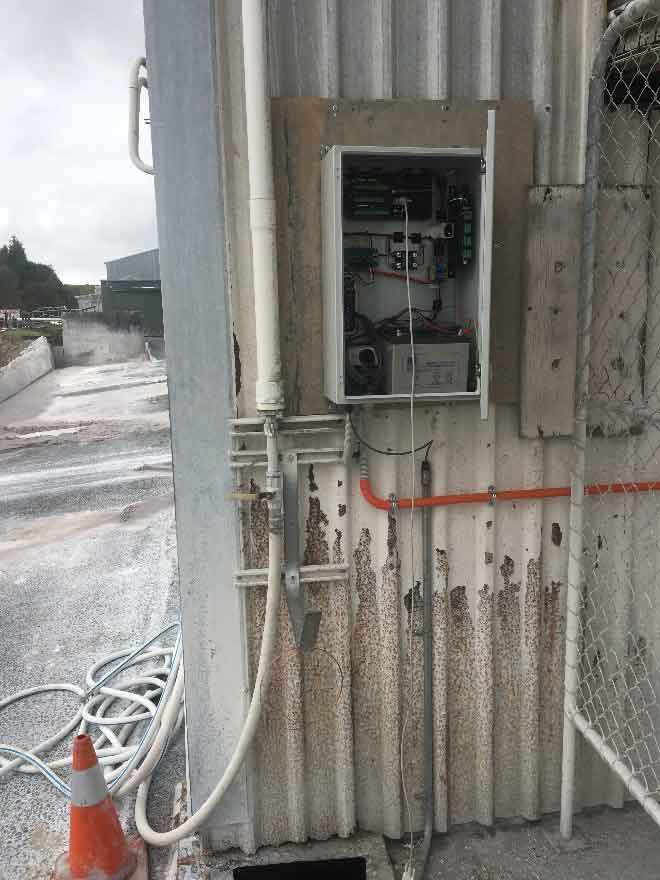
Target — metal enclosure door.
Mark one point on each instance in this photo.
(486, 264)
(331, 279)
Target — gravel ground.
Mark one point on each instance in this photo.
(87, 566)
(608, 845)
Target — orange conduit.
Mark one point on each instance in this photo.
(504, 495)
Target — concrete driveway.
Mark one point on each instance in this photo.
(87, 565)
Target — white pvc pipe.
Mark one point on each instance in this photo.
(135, 85)
(259, 692)
(269, 393)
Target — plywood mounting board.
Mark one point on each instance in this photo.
(547, 399)
(301, 129)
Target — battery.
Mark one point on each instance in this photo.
(440, 367)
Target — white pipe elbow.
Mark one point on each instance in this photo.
(136, 83)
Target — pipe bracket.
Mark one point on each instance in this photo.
(305, 623)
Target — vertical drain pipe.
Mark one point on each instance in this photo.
(427, 560)
(269, 392)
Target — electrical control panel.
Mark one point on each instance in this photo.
(399, 220)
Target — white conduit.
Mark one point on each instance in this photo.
(270, 396)
(261, 685)
(136, 82)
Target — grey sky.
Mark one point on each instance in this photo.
(67, 187)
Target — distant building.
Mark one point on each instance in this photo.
(9, 317)
(90, 302)
(143, 266)
(132, 289)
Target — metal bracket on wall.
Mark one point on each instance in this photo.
(305, 623)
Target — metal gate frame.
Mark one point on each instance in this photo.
(575, 718)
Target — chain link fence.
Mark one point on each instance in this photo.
(613, 621)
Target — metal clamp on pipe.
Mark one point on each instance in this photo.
(273, 477)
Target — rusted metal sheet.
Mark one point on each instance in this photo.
(327, 758)
(435, 49)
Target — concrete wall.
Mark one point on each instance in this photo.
(96, 339)
(144, 266)
(32, 363)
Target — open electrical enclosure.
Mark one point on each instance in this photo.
(449, 197)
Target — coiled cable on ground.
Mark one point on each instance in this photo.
(128, 716)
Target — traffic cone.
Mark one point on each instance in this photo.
(98, 849)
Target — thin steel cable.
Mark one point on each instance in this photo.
(410, 867)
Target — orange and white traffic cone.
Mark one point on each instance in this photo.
(98, 849)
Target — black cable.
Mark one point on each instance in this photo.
(425, 446)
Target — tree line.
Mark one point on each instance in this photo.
(26, 285)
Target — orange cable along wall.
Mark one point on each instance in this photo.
(505, 495)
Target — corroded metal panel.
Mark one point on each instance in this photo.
(326, 761)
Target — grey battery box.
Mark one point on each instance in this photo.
(440, 367)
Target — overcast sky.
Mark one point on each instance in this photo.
(67, 187)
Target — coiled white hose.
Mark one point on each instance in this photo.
(261, 684)
(118, 747)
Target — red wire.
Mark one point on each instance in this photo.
(414, 279)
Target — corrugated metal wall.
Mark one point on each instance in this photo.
(143, 266)
(327, 760)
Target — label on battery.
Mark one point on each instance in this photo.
(430, 373)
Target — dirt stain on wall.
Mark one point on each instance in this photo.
(365, 661)
(461, 706)
(317, 551)
(507, 690)
(440, 687)
(552, 696)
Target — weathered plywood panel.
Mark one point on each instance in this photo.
(550, 314)
(301, 127)
(619, 322)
